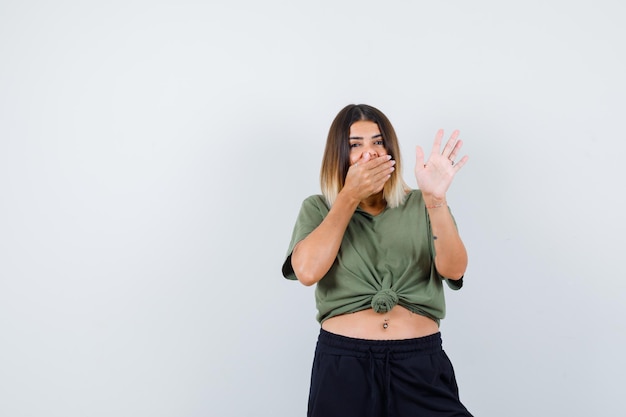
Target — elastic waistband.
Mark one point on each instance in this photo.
(363, 347)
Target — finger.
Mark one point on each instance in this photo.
(419, 158)
(379, 179)
(365, 156)
(383, 170)
(381, 174)
(437, 142)
(380, 161)
(388, 166)
(459, 165)
(450, 145)
(455, 150)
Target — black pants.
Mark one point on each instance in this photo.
(382, 378)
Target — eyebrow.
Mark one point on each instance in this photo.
(361, 138)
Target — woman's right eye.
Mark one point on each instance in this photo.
(354, 145)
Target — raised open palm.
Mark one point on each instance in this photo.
(436, 174)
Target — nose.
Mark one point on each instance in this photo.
(371, 150)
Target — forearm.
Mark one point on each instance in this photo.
(313, 256)
(450, 253)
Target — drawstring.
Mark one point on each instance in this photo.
(372, 383)
(386, 383)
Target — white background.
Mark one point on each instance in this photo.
(154, 155)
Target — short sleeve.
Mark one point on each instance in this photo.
(312, 212)
(455, 284)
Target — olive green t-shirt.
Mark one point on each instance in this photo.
(383, 260)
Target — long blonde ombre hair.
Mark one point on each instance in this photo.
(336, 161)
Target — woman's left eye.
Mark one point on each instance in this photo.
(379, 142)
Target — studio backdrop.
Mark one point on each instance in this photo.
(154, 156)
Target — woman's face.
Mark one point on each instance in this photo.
(365, 138)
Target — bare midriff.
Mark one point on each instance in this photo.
(398, 323)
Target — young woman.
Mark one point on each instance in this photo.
(379, 253)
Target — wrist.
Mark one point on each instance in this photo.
(348, 198)
(439, 204)
(432, 201)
